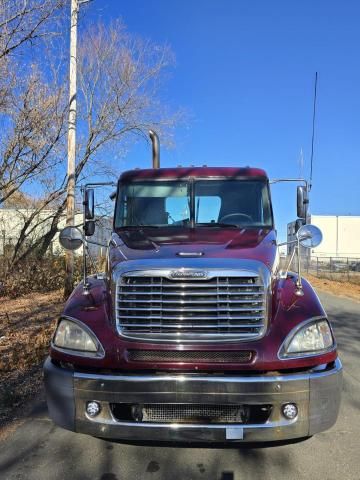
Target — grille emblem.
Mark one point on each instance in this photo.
(195, 274)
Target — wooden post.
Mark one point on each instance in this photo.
(70, 199)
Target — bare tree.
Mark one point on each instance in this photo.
(120, 79)
(32, 145)
(31, 140)
(119, 82)
(25, 21)
(32, 105)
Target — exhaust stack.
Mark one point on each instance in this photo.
(155, 149)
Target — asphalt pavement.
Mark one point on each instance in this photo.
(38, 450)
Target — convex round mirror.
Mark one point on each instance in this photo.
(71, 238)
(309, 236)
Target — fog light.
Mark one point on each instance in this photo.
(290, 410)
(93, 408)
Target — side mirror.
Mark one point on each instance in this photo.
(309, 236)
(89, 228)
(89, 204)
(302, 201)
(71, 238)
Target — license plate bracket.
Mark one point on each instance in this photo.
(234, 433)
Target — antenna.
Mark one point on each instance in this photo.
(313, 131)
(301, 163)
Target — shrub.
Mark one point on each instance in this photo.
(34, 275)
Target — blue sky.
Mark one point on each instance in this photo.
(245, 72)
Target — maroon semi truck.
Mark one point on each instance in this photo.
(193, 333)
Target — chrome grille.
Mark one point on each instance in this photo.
(231, 306)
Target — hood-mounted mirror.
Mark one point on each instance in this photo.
(309, 236)
(71, 238)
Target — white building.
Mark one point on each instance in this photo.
(12, 221)
(341, 235)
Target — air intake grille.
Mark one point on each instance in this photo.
(191, 413)
(191, 309)
(242, 356)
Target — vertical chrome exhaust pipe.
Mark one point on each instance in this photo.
(155, 149)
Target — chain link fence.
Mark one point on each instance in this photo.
(334, 268)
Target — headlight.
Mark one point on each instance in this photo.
(73, 336)
(313, 338)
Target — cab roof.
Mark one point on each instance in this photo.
(197, 172)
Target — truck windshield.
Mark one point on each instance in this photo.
(212, 203)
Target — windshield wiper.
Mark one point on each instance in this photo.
(217, 224)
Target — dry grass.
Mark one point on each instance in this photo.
(26, 327)
(341, 289)
(35, 275)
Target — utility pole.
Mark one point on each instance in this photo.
(70, 199)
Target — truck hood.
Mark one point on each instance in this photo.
(162, 243)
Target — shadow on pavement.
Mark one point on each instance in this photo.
(231, 446)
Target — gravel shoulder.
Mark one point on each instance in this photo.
(340, 289)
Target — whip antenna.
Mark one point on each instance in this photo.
(313, 131)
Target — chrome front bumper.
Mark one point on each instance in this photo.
(317, 395)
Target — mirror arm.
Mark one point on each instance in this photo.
(289, 264)
(86, 285)
(86, 289)
(91, 258)
(280, 180)
(92, 242)
(286, 243)
(86, 251)
(299, 288)
(293, 241)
